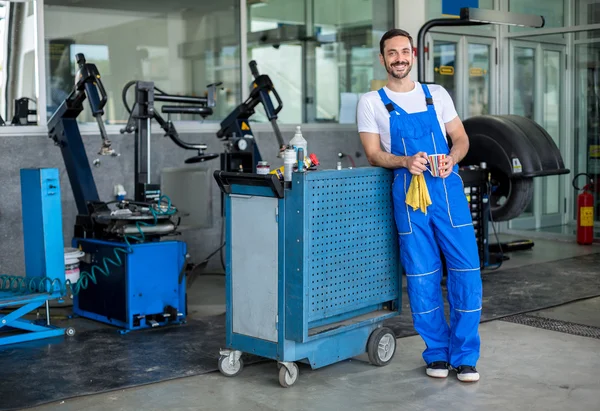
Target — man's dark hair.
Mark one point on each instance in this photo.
(394, 33)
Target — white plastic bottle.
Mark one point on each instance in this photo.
(298, 141)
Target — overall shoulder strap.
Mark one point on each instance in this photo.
(389, 105)
(428, 98)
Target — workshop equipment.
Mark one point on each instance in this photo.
(585, 211)
(44, 261)
(130, 276)
(312, 268)
(241, 151)
(140, 116)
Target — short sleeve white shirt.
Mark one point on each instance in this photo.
(373, 117)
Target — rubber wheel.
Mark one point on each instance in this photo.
(287, 379)
(497, 140)
(381, 346)
(509, 197)
(229, 370)
(70, 331)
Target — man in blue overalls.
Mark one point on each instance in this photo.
(400, 125)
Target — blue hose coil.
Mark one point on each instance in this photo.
(22, 285)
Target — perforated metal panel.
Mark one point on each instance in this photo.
(353, 246)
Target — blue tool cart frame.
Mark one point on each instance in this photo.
(312, 268)
(44, 261)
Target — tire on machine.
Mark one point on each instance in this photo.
(516, 150)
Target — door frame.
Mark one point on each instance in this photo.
(537, 219)
(461, 68)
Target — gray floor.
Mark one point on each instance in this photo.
(522, 368)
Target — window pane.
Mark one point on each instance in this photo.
(319, 76)
(523, 90)
(551, 123)
(552, 10)
(181, 45)
(479, 79)
(17, 63)
(444, 66)
(587, 12)
(587, 117)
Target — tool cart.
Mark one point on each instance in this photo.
(312, 268)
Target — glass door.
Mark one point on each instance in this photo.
(445, 66)
(537, 78)
(478, 76)
(587, 119)
(463, 65)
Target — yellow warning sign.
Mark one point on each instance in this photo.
(476, 72)
(447, 70)
(245, 126)
(595, 151)
(587, 217)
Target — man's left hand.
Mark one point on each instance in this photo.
(446, 166)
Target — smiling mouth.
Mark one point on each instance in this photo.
(400, 66)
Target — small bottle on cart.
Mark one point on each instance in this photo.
(263, 167)
(289, 160)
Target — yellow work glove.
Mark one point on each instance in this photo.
(418, 194)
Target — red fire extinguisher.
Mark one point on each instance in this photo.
(585, 211)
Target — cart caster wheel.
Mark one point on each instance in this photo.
(381, 346)
(288, 376)
(228, 368)
(70, 331)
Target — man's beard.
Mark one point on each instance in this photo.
(390, 70)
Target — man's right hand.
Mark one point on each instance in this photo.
(416, 163)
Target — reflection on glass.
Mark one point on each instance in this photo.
(444, 66)
(180, 48)
(523, 89)
(524, 81)
(551, 123)
(18, 101)
(479, 79)
(587, 114)
(587, 12)
(319, 78)
(552, 10)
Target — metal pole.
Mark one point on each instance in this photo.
(47, 313)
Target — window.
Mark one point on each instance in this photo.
(320, 54)
(180, 45)
(18, 83)
(552, 10)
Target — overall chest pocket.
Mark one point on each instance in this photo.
(414, 126)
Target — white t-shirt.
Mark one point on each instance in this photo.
(373, 117)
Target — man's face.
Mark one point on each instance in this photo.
(397, 56)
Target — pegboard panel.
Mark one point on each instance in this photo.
(352, 246)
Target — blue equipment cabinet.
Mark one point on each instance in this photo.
(312, 268)
(144, 287)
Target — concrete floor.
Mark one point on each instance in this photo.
(522, 368)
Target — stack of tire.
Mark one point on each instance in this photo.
(515, 150)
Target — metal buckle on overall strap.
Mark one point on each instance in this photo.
(390, 107)
(429, 101)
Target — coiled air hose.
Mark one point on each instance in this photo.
(23, 285)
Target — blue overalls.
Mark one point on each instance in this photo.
(447, 226)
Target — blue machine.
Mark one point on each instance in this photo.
(144, 287)
(44, 261)
(130, 277)
(312, 268)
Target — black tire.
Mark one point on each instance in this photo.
(376, 356)
(510, 197)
